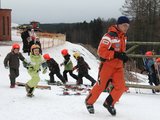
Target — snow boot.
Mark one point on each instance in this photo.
(60, 83)
(153, 91)
(12, 86)
(12, 82)
(27, 88)
(110, 108)
(29, 91)
(52, 83)
(30, 95)
(93, 83)
(90, 108)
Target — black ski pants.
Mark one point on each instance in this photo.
(71, 74)
(58, 74)
(14, 73)
(86, 75)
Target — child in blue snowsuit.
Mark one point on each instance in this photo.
(150, 68)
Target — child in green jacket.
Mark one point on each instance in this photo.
(68, 65)
(34, 67)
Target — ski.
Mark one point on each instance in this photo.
(58, 83)
(38, 86)
(67, 93)
(76, 88)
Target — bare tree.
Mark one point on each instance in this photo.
(145, 15)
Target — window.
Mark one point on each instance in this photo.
(8, 25)
(3, 23)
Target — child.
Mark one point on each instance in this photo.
(11, 61)
(34, 40)
(82, 67)
(149, 65)
(54, 69)
(68, 65)
(36, 62)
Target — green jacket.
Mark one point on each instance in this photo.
(36, 62)
(68, 66)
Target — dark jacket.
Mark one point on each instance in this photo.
(82, 66)
(67, 58)
(53, 65)
(13, 60)
(24, 36)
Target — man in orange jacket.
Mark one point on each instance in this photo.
(111, 51)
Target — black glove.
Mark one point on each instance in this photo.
(44, 65)
(26, 64)
(102, 59)
(122, 56)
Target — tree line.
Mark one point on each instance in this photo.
(84, 32)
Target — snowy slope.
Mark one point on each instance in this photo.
(48, 105)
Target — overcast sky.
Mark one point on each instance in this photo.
(62, 11)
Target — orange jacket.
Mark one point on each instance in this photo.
(113, 40)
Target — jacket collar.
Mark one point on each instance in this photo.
(115, 29)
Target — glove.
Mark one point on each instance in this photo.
(44, 65)
(44, 70)
(26, 64)
(6, 67)
(102, 59)
(122, 56)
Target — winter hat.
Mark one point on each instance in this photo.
(15, 46)
(76, 55)
(46, 57)
(122, 19)
(64, 52)
(148, 53)
(34, 46)
(158, 60)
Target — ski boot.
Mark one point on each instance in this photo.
(12, 86)
(52, 83)
(30, 95)
(27, 88)
(110, 109)
(92, 84)
(29, 91)
(90, 108)
(60, 83)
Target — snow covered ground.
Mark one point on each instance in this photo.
(48, 105)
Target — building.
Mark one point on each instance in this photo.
(5, 24)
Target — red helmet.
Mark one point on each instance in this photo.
(46, 57)
(158, 60)
(64, 52)
(15, 46)
(149, 53)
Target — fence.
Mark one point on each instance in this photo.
(48, 42)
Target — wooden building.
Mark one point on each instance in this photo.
(5, 24)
